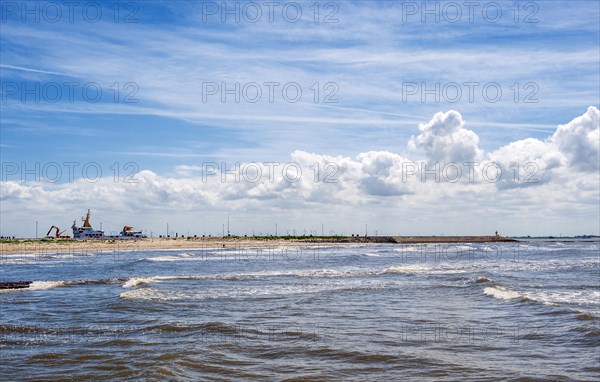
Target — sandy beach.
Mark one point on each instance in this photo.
(70, 245)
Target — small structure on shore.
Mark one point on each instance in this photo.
(128, 232)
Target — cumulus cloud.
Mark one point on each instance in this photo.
(526, 163)
(579, 140)
(573, 148)
(382, 173)
(445, 139)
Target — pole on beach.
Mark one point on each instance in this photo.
(36, 229)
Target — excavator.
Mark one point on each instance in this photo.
(58, 234)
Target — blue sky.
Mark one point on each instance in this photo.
(369, 55)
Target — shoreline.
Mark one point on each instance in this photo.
(17, 246)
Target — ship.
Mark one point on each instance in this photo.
(86, 231)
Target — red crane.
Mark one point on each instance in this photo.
(58, 234)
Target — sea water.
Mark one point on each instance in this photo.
(459, 312)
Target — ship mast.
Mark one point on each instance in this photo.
(86, 223)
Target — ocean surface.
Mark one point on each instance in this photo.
(525, 311)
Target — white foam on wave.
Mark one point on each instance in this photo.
(162, 258)
(137, 281)
(151, 293)
(502, 293)
(459, 247)
(407, 248)
(413, 268)
(181, 256)
(551, 298)
(43, 285)
(422, 269)
(580, 297)
(45, 257)
(324, 273)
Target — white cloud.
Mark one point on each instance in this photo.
(382, 173)
(527, 162)
(373, 183)
(572, 149)
(579, 140)
(444, 139)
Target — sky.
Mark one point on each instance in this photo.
(348, 117)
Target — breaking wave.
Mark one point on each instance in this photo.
(551, 298)
(503, 293)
